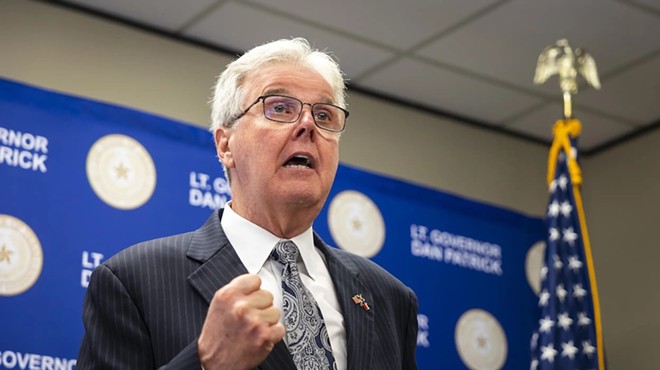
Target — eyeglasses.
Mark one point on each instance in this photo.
(286, 109)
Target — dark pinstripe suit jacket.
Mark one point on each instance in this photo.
(145, 307)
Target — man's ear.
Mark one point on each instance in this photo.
(221, 137)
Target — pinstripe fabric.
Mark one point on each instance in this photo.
(145, 306)
(385, 337)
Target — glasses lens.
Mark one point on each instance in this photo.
(329, 116)
(287, 109)
(282, 108)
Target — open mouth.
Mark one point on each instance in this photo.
(299, 161)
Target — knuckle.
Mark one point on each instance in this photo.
(241, 309)
(268, 295)
(224, 294)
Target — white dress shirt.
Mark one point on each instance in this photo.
(254, 244)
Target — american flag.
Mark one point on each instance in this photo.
(569, 334)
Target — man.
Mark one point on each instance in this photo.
(220, 297)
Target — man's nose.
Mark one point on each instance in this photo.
(306, 124)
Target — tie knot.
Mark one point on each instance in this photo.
(285, 252)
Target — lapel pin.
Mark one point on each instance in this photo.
(358, 299)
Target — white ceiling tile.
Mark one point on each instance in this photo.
(414, 81)
(502, 44)
(633, 94)
(242, 27)
(596, 130)
(169, 15)
(506, 43)
(399, 24)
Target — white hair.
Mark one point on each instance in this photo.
(229, 95)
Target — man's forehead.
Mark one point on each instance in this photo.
(279, 79)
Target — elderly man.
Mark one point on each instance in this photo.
(255, 287)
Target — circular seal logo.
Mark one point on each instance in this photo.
(356, 223)
(21, 257)
(480, 340)
(121, 171)
(533, 265)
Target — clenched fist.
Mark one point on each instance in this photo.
(242, 326)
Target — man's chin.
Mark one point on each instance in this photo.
(304, 197)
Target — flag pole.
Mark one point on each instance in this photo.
(568, 108)
(563, 60)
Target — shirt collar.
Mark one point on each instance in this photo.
(310, 255)
(253, 244)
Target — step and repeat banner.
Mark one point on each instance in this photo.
(81, 180)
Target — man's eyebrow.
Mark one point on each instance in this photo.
(283, 91)
(277, 91)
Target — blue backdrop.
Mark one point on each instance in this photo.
(69, 170)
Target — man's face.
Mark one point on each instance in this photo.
(280, 165)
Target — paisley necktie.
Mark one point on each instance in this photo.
(306, 333)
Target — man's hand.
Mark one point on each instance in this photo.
(242, 326)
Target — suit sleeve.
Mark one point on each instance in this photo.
(116, 336)
(409, 359)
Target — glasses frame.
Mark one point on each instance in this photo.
(262, 99)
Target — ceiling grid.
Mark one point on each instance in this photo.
(470, 60)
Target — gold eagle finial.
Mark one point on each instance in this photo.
(567, 62)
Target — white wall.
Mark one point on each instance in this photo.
(64, 50)
(623, 188)
(52, 47)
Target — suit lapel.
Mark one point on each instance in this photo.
(358, 322)
(219, 265)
